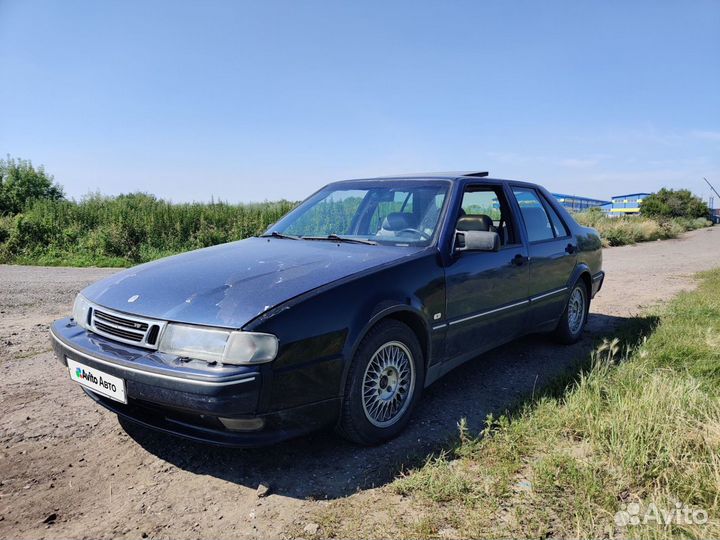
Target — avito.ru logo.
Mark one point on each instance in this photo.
(87, 375)
(636, 514)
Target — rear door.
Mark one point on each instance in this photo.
(552, 255)
(486, 291)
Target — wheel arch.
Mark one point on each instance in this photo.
(582, 271)
(585, 276)
(403, 313)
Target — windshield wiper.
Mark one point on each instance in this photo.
(338, 238)
(275, 234)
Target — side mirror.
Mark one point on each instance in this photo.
(477, 241)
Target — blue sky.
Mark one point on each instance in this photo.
(247, 101)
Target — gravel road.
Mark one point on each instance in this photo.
(69, 469)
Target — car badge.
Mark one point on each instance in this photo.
(133, 298)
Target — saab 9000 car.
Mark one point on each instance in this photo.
(339, 315)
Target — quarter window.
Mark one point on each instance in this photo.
(537, 222)
(559, 227)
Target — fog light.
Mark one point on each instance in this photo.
(242, 424)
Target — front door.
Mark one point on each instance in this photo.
(486, 291)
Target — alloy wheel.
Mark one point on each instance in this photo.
(388, 384)
(576, 310)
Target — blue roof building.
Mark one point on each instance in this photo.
(576, 203)
(618, 206)
(627, 204)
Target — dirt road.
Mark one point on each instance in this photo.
(68, 469)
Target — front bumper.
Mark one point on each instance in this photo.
(187, 398)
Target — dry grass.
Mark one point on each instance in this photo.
(620, 231)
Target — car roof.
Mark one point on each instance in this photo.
(451, 176)
(446, 175)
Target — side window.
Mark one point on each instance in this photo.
(484, 208)
(481, 202)
(536, 219)
(559, 227)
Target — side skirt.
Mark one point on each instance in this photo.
(437, 371)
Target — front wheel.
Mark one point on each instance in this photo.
(572, 323)
(384, 383)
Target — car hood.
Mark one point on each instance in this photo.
(230, 284)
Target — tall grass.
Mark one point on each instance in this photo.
(124, 230)
(624, 230)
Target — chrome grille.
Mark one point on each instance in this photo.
(126, 323)
(126, 328)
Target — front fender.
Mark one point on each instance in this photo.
(381, 311)
(320, 332)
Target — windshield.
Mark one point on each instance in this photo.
(398, 212)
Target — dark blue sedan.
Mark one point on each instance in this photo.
(339, 315)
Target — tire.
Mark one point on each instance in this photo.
(572, 322)
(390, 367)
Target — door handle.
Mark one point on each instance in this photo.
(519, 260)
(571, 249)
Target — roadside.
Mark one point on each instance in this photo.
(627, 230)
(68, 469)
(31, 298)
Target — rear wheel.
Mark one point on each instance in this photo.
(384, 383)
(572, 323)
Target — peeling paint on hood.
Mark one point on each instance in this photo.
(230, 284)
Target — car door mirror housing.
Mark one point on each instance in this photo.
(476, 241)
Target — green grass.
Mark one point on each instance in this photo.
(126, 230)
(640, 425)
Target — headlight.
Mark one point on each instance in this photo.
(215, 345)
(81, 307)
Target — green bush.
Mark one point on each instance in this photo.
(670, 203)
